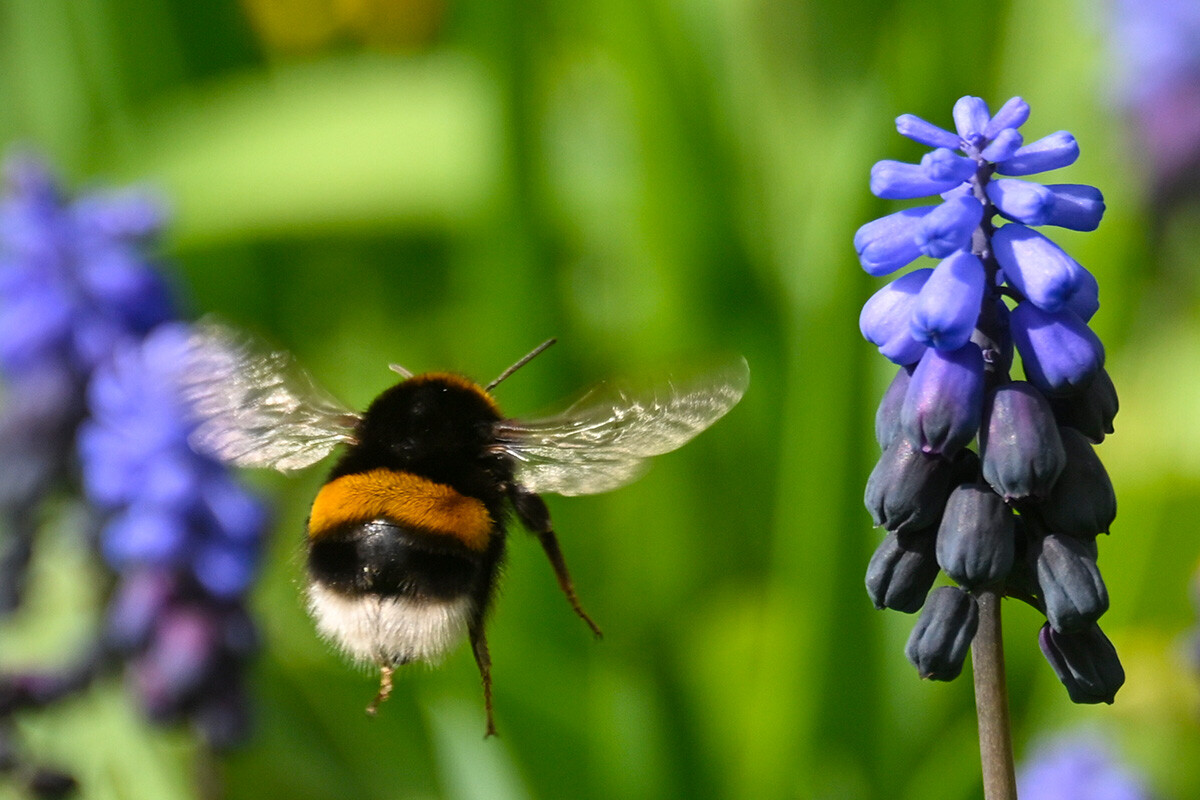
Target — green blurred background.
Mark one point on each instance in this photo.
(444, 184)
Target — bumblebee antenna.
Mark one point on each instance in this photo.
(524, 360)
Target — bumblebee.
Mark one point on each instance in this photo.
(406, 536)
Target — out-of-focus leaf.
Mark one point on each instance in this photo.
(353, 143)
(42, 92)
(471, 767)
(1157, 381)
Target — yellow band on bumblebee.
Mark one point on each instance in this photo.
(405, 498)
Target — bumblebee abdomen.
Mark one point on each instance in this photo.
(410, 501)
(380, 557)
(400, 566)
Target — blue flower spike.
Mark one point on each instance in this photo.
(89, 351)
(186, 539)
(1036, 500)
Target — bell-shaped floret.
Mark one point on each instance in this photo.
(1060, 352)
(971, 118)
(1012, 115)
(885, 320)
(1035, 266)
(1090, 410)
(907, 488)
(976, 540)
(1082, 502)
(939, 641)
(897, 180)
(1086, 662)
(943, 164)
(902, 570)
(947, 307)
(1074, 206)
(925, 133)
(944, 402)
(1050, 152)
(949, 226)
(1069, 582)
(1019, 444)
(886, 244)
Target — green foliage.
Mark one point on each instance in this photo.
(652, 182)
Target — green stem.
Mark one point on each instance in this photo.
(991, 701)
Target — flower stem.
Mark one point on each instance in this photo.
(991, 701)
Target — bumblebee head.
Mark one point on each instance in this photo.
(428, 420)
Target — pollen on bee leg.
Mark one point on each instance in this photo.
(385, 688)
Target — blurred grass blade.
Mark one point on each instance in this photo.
(470, 767)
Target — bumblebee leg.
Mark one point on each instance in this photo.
(532, 511)
(484, 661)
(385, 688)
(550, 545)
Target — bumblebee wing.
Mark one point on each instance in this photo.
(257, 408)
(603, 441)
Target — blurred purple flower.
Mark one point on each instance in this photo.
(185, 538)
(1078, 768)
(1156, 55)
(85, 330)
(74, 281)
(74, 275)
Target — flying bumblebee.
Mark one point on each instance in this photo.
(407, 534)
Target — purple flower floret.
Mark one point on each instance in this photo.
(925, 133)
(942, 408)
(948, 227)
(886, 319)
(1011, 116)
(169, 506)
(1035, 266)
(889, 243)
(1050, 152)
(947, 306)
(971, 119)
(1000, 285)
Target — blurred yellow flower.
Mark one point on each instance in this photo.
(299, 26)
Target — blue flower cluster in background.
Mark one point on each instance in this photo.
(184, 536)
(1078, 768)
(74, 280)
(1021, 512)
(89, 355)
(1155, 48)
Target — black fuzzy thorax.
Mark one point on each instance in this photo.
(438, 427)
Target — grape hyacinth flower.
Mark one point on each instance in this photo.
(85, 329)
(74, 281)
(1018, 515)
(184, 537)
